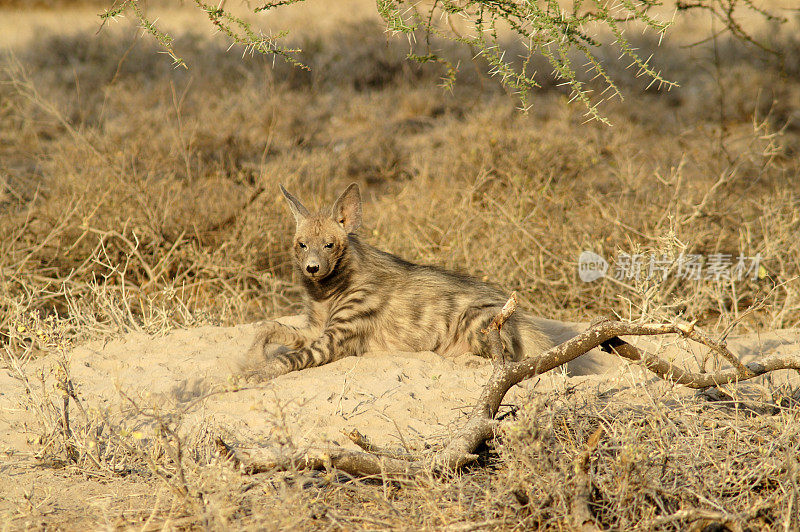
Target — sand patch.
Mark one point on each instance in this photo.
(398, 399)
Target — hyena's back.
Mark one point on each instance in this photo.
(422, 308)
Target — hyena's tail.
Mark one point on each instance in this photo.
(556, 332)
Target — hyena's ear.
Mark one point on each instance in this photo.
(299, 211)
(347, 209)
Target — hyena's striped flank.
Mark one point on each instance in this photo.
(362, 299)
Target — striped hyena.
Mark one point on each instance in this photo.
(360, 299)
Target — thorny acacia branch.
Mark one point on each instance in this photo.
(506, 35)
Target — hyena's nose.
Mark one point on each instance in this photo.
(312, 268)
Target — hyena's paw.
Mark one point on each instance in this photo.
(262, 364)
(273, 332)
(262, 361)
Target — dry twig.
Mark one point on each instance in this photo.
(581, 514)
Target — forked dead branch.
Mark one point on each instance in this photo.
(481, 423)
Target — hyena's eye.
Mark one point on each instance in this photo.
(302, 246)
(329, 245)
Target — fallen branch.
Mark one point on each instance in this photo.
(365, 444)
(673, 373)
(481, 423)
(710, 517)
(355, 463)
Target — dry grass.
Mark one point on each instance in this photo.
(656, 465)
(138, 197)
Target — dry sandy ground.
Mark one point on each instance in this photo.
(396, 399)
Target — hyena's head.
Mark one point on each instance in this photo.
(321, 238)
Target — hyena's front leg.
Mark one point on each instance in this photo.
(335, 342)
(346, 333)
